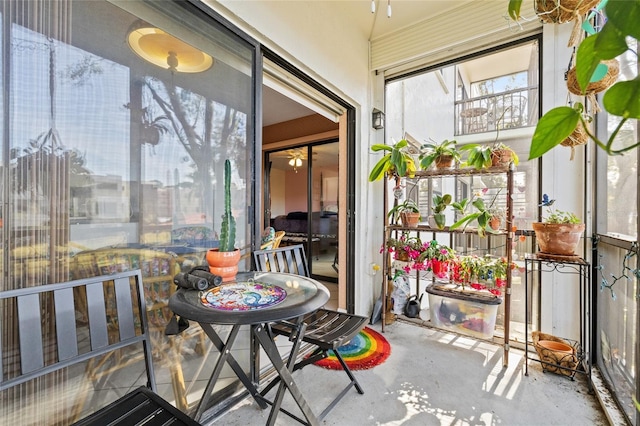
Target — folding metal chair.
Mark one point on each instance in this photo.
(326, 329)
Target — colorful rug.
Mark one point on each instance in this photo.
(368, 349)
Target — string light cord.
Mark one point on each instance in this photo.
(628, 273)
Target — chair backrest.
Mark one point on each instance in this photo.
(290, 259)
(158, 269)
(45, 339)
(278, 239)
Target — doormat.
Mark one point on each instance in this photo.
(368, 349)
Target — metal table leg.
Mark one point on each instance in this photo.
(225, 356)
(284, 372)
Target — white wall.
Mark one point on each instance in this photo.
(564, 181)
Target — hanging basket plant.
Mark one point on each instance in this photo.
(561, 11)
(596, 86)
(578, 137)
(605, 76)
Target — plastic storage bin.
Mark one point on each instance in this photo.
(468, 312)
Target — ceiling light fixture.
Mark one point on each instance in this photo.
(166, 51)
(295, 163)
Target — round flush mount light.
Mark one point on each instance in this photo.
(166, 51)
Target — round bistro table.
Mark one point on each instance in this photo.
(256, 299)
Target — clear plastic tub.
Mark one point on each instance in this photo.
(463, 312)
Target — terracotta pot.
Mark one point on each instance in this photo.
(555, 346)
(558, 238)
(402, 255)
(495, 223)
(223, 263)
(444, 162)
(228, 273)
(410, 220)
(500, 157)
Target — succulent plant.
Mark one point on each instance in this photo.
(228, 227)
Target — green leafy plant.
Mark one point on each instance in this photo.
(557, 216)
(228, 227)
(432, 152)
(620, 100)
(433, 250)
(440, 203)
(482, 215)
(398, 161)
(480, 156)
(407, 206)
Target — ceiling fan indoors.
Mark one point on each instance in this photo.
(295, 156)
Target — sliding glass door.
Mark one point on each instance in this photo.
(303, 201)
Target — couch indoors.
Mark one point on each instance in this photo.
(323, 225)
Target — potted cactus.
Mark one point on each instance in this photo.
(223, 261)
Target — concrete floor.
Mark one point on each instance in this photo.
(437, 378)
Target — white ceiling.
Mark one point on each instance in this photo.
(278, 108)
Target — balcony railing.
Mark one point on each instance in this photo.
(506, 110)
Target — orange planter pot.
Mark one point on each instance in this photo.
(224, 264)
(558, 238)
(228, 273)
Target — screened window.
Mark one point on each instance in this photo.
(617, 254)
(618, 175)
(490, 98)
(116, 148)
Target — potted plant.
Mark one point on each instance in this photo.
(440, 203)
(484, 213)
(439, 258)
(223, 261)
(408, 212)
(404, 248)
(491, 274)
(560, 232)
(444, 155)
(497, 217)
(489, 155)
(398, 162)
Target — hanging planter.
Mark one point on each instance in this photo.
(578, 137)
(561, 11)
(607, 80)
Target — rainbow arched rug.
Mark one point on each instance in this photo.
(368, 349)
